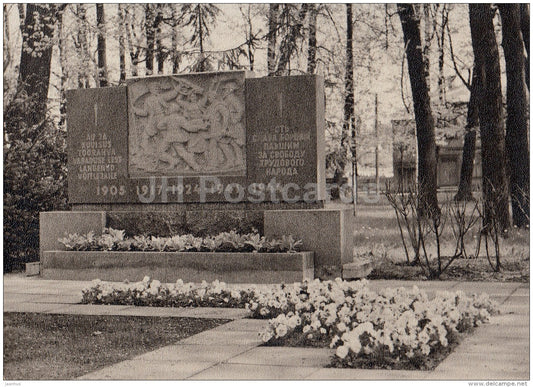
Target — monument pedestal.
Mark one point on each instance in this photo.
(327, 232)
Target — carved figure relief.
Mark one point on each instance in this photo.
(178, 126)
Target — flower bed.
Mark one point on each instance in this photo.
(114, 240)
(391, 328)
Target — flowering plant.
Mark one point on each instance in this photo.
(383, 328)
(114, 240)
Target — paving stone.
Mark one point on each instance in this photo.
(225, 313)
(253, 372)
(517, 300)
(56, 299)
(361, 374)
(497, 331)
(284, 356)
(104, 310)
(243, 325)
(515, 309)
(30, 307)
(510, 320)
(194, 353)
(499, 360)
(489, 346)
(143, 370)
(481, 373)
(17, 298)
(221, 338)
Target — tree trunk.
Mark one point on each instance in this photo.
(121, 44)
(83, 79)
(272, 32)
(64, 71)
(516, 138)
(524, 26)
(464, 191)
(428, 35)
(134, 52)
(150, 38)
(425, 125)
(7, 52)
(311, 47)
(159, 42)
(441, 41)
(174, 43)
(495, 188)
(348, 125)
(101, 46)
(35, 58)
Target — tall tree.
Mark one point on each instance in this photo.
(64, 69)
(441, 34)
(174, 36)
(311, 45)
(133, 47)
(490, 105)
(36, 57)
(149, 26)
(425, 125)
(429, 31)
(121, 43)
(464, 191)
(272, 34)
(516, 138)
(524, 26)
(83, 46)
(101, 46)
(349, 98)
(160, 49)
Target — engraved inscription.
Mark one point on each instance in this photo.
(96, 158)
(282, 151)
(187, 126)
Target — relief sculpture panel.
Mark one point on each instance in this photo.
(187, 125)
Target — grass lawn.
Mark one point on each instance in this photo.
(57, 346)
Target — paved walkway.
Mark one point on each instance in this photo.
(496, 351)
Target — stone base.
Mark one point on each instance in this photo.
(169, 267)
(33, 268)
(327, 232)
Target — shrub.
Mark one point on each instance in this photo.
(34, 180)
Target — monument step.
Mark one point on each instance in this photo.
(171, 266)
(357, 270)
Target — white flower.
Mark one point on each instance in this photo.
(266, 336)
(323, 331)
(281, 331)
(306, 328)
(342, 327)
(342, 351)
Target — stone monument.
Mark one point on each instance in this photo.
(202, 153)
